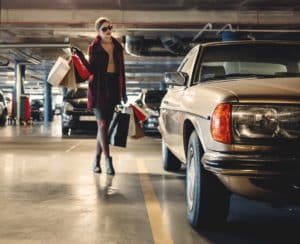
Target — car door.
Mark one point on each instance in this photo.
(173, 112)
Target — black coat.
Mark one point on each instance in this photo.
(98, 61)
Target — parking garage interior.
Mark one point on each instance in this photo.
(48, 191)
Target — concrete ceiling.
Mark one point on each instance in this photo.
(37, 32)
(154, 4)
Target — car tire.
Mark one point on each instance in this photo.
(65, 131)
(3, 119)
(170, 162)
(207, 199)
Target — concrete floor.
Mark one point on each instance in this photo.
(48, 194)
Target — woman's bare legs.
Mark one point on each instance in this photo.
(102, 138)
(96, 163)
(101, 144)
(98, 145)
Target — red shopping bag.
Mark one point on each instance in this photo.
(27, 108)
(139, 113)
(82, 72)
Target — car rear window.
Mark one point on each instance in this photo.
(78, 93)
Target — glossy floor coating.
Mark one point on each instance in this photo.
(48, 194)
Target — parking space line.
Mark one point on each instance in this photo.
(73, 147)
(159, 227)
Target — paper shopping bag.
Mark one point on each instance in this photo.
(140, 113)
(69, 80)
(131, 129)
(58, 71)
(138, 131)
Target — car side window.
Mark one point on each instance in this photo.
(187, 65)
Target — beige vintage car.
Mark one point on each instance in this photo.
(233, 117)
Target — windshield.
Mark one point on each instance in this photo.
(262, 60)
(37, 103)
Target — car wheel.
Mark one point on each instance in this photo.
(3, 119)
(170, 162)
(65, 131)
(206, 197)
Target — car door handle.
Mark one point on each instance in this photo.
(166, 102)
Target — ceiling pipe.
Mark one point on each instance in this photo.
(4, 61)
(227, 26)
(27, 58)
(208, 26)
(33, 45)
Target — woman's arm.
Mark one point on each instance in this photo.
(91, 59)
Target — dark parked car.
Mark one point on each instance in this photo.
(37, 109)
(3, 109)
(75, 115)
(58, 108)
(150, 100)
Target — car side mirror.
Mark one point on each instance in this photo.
(176, 78)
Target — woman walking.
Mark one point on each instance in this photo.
(106, 86)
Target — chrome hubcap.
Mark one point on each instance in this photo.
(191, 179)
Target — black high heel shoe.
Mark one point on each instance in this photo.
(96, 164)
(109, 166)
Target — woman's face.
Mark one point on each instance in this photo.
(105, 30)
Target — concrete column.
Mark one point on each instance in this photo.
(64, 91)
(47, 101)
(18, 89)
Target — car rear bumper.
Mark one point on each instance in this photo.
(270, 177)
(81, 121)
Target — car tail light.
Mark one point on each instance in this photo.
(221, 123)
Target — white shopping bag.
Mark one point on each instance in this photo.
(58, 71)
(131, 129)
(69, 81)
(135, 130)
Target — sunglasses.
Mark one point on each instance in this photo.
(106, 28)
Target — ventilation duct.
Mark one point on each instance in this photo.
(4, 61)
(134, 45)
(174, 45)
(165, 46)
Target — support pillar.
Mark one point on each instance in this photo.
(48, 116)
(18, 90)
(64, 91)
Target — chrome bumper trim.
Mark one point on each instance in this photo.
(251, 164)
